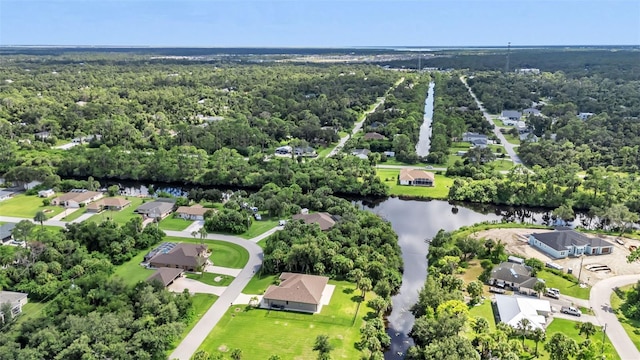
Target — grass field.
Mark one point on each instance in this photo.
(631, 327)
(120, 217)
(501, 164)
(31, 310)
(74, 215)
(258, 227)
(259, 283)
(484, 310)
(222, 253)
(172, 223)
(440, 191)
(565, 286)
(131, 271)
(26, 207)
(568, 328)
(291, 335)
(512, 139)
(209, 278)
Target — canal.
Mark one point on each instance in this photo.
(424, 141)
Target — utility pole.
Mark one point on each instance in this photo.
(419, 65)
(508, 57)
(580, 270)
(604, 331)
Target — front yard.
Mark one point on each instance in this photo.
(440, 191)
(288, 334)
(24, 206)
(120, 217)
(210, 278)
(174, 223)
(565, 286)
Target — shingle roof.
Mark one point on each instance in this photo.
(113, 202)
(6, 229)
(373, 136)
(165, 275)
(511, 272)
(561, 240)
(325, 220)
(159, 206)
(511, 113)
(183, 254)
(412, 174)
(192, 210)
(11, 297)
(77, 196)
(300, 288)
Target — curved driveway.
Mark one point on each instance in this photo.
(600, 301)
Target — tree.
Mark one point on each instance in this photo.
(236, 354)
(539, 287)
(560, 347)
(200, 355)
(538, 335)
(524, 325)
(474, 289)
(113, 190)
(323, 347)
(586, 328)
(564, 212)
(535, 265)
(275, 357)
(203, 234)
(365, 286)
(22, 230)
(40, 217)
(379, 304)
(480, 325)
(194, 234)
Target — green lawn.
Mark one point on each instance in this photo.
(131, 271)
(259, 227)
(393, 161)
(259, 283)
(223, 253)
(174, 223)
(201, 303)
(484, 310)
(632, 327)
(440, 191)
(323, 152)
(209, 278)
(565, 286)
(501, 164)
(568, 327)
(27, 206)
(262, 243)
(31, 310)
(512, 139)
(74, 215)
(290, 335)
(120, 217)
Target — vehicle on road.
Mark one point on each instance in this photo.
(552, 294)
(570, 310)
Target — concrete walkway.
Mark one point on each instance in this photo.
(65, 213)
(245, 299)
(195, 226)
(195, 287)
(222, 270)
(601, 303)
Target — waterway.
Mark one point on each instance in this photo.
(424, 141)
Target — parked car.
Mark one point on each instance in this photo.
(496, 290)
(554, 290)
(552, 294)
(254, 209)
(282, 222)
(571, 311)
(257, 216)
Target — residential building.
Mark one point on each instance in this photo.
(511, 115)
(514, 276)
(16, 301)
(46, 193)
(416, 177)
(373, 136)
(284, 150)
(475, 139)
(306, 151)
(361, 153)
(390, 153)
(532, 112)
(298, 292)
(563, 243)
(6, 194)
(195, 212)
(530, 71)
(584, 115)
(165, 275)
(6, 231)
(189, 257)
(512, 309)
(157, 209)
(111, 203)
(325, 220)
(75, 197)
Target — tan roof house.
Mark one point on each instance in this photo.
(195, 212)
(373, 136)
(113, 204)
(325, 220)
(184, 256)
(298, 292)
(165, 275)
(75, 197)
(416, 177)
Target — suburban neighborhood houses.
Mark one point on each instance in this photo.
(298, 292)
(563, 243)
(77, 198)
(416, 177)
(188, 257)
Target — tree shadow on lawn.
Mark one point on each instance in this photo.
(348, 290)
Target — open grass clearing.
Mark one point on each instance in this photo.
(31, 310)
(210, 278)
(565, 286)
(276, 329)
(174, 223)
(515, 140)
(631, 327)
(501, 164)
(440, 191)
(131, 271)
(260, 226)
(24, 206)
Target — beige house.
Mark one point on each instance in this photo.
(165, 275)
(113, 204)
(298, 292)
(416, 177)
(75, 197)
(195, 212)
(325, 220)
(184, 256)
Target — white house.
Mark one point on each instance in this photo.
(512, 309)
(46, 193)
(15, 299)
(563, 243)
(584, 115)
(76, 197)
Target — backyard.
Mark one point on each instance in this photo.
(565, 286)
(440, 191)
(291, 335)
(24, 206)
(484, 310)
(174, 223)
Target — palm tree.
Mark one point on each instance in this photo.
(538, 335)
(539, 287)
(586, 328)
(203, 234)
(194, 234)
(524, 325)
(480, 325)
(40, 217)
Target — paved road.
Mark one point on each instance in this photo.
(359, 124)
(509, 148)
(600, 301)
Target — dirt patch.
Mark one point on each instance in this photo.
(223, 348)
(515, 241)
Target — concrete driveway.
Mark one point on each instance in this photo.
(195, 286)
(222, 270)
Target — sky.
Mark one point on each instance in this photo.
(328, 23)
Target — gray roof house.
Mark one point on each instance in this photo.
(511, 115)
(471, 137)
(361, 153)
(515, 276)
(158, 208)
(298, 292)
(532, 112)
(15, 299)
(165, 275)
(563, 243)
(9, 193)
(5, 231)
(325, 220)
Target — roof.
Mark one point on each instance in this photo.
(159, 206)
(511, 272)
(182, 255)
(77, 195)
(474, 135)
(532, 111)
(413, 174)
(8, 192)
(165, 275)
(112, 202)
(514, 308)
(361, 152)
(192, 210)
(373, 136)
(6, 229)
(325, 220)
(511, 113)
(300, 288)
(11, 297)
(561, 240)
